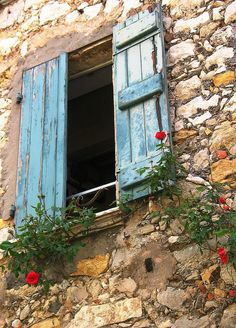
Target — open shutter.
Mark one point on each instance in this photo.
(140, 96)
(42, 153)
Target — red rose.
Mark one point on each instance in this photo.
(32, 278)
(222, 255)
(160, 135)
(225, 208)
(231, 293)
(222, 200)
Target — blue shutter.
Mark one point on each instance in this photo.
(42, 153)
(140, 96)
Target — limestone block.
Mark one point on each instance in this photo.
(4, 103)
(72, 17)
(111, 5)
(223, 171)
(208, 29)
(223, 137)
(217, 14)
(229, 317)
(230, 13)
(180, 8)
(4, 119)
(184, 322)
(188, 88)
(130, 4)
(48, 323)
(231, 104)
(187, 253)
(200, 119)
(127, 286)
(53, 10)
(184, 134)
(6, 45)
(11, 14)
(25, 312)
(33, 3)
(224, 78)
(93, 11)
(222, 36)
(201, 160)
(30, 23)
(107, 314)
(180, 51)
(172, 298)
(6, 234)
(186, 25)
(219, 56)
(92, 267)
(192, 106)
(83, 5)
(228, 274)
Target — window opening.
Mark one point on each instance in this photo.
(91, 145)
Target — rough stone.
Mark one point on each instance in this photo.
(180, 8)
(230, 105)
(6, 45)
(48, 323)
(107, 314)
(192, 24)
(222, 36)
(130, 4)
(219, 56)
(200, 119)
(92, 267)
(217, 14)
(93, 11)
(230, 13)
(53, 10)
(33, 3)
(184, 322)
(224, 171)
(72, 17)
(127, 286)
(188, 88)
(224, 78)
(30, 23)
(25, 312)
(111, 5)
(11, 14)
(180, 51)
(184, 134)
(148, 228)
(229, 317)
(191, 108)
(5, 234)
(77, 294)
(187, 253)
(16, 324)
(228, 274)
(223, 137)
(207, 30)
(201, 160)
(172, 298)
(95, 288)
(207, 274)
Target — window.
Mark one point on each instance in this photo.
(140, 106)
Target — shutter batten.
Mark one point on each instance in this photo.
(140, 94)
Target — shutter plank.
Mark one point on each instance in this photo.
(50, 133)
(36, 141)
(23, 162)
(61, 133)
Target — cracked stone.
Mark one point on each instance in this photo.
(180, 51)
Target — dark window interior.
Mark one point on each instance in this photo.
(90, 149)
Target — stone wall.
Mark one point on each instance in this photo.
(110, 284)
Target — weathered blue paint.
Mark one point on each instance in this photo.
(42, 162)
(140, 91)
(139, 87)
(136, 27)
